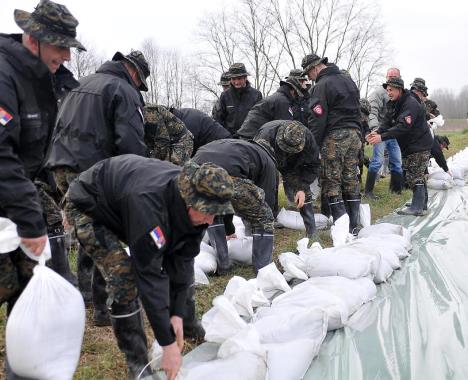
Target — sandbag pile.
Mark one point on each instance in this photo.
(458, 165)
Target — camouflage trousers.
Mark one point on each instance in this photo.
(108, 254)
(414, 166)
(292, 185)
(339, 162)
(178, 152)
(249, 203)
(63, 176)
(52, 212)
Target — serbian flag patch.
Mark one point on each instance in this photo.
(158, 237)
(5, 117)
(408, 119)
(318, 110)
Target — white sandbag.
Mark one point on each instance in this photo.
(315, 189)
(388, 250)
(293, 220)
(206, 261)
(457, 172)
(45, 329)
(365, 214)
(439, 184)
(310, 323)
(382, 270)
(290, 360)
(239, 226)
(240, 250)
(459, 182)
(200, 276)
(9, 239)
(340, 231)
(293, 265)
(271, 281)
(222, 321)
(386, 229)
(244, 296)
(440, 175)
(246, 340)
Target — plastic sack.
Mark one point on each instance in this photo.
(439, 184)
(293, 220)
(440, 175)
(293, 265)
(200, 276)
(246, 340)
(45, 329)
(239, 226)
(9, 239)
(382, 270)
(240, 250)
(387, 229)
(365, 214)
(340, 231)
(244, 296)
(206, 260)
(271, 281)
(457, 173)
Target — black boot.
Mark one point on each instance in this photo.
(129, 331)
(417, 203)
(307, 213)
(370, 183)
(217, 235)
(353, 203)
(85, 275)
(337, 207)
(262, 249)
(324, 206)
(59, 257)
(426, 197)
(192, 326)
(396, 182)
(101, 311)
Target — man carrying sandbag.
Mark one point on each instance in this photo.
(161, 212)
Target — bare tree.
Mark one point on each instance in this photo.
(83, 63)
(152, 54)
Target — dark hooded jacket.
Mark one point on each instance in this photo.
(99, 119)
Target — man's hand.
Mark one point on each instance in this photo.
(450, 173)
(299, 199)
(374, 138)
(35, 245)
(171, 360)
(178, 326)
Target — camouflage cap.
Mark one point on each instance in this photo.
(295, 84)
(443, 140)
(291, 136)
(394, 82)
(137, 59)
(311, 60)
(237, 70)
(225, 79)
(419, 87)
(419, 80)
(297, 73)
(365, 106)
(51, 23)
(206, 188)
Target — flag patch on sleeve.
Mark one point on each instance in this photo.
(408, 119)
(5, 117)
(318, 110)
(158, 237)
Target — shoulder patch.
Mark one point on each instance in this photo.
(318, 110)
(158, 237)
(408, 119)
(5, 117)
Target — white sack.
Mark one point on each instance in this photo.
(439, 184)
(293, 265)
(387, 229)
(440, 175)
(206, 261)
(240, 250)
(293, 219)
(246, 340)
(340, 231)
(271, 281)
(365, 214)
(200, 276)
(239, 226)
(9, 239)
(244, 296)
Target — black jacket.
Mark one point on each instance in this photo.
(243, 159)
(438, 155)
(99, 119)
(133, 196)
(274, 107)
(204, 128)
(301, 109)
(334, 101)
(234, 105)
(300, 169)
(28, 108)
(406, 121)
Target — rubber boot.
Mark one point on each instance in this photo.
(370, 183)
(417, 203)
(426, 197)
(101, 312)
(353, 203)
(59, 257)
(127, 323)
(337, 207)
(396, 182)
(85, 275)
(192, 327)
(324, 206)
(9, 375)
(307, 213)
(262, 249)
(217, 235)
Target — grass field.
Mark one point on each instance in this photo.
(100, 357)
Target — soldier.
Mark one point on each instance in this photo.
(300, 108)
(225, 83)
(28, 106)
(89, 129)
(335, 123)
(253, 173)
(406, 121)
(378, 101)
(166, 136)
(278, 106)
(297, 158)
(236, 102)
(204, 128)
(440, 143)
(160, 211)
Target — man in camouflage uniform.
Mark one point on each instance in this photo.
(29, 63)
(161, 212)
(335, 123)
(253, 172)
(166, 136)
(406, 121)
(296, 154)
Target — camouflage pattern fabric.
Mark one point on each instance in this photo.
(51, 23)
(52, 212)
(166, 136)
(63, 176)
(339, 162)
(104, 247)
(249, 203)
(415, 166)
(431, 108)
(292, 184)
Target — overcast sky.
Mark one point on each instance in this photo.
(428, 36)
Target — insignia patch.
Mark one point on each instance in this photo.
(408, 119)
(318, 110)
(158, 237)
(5, 117)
